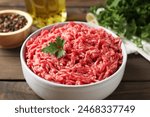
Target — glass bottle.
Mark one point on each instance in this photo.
(45, 12)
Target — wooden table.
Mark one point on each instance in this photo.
(135, 83)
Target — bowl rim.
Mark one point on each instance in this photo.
(22, 58)
(23, 13)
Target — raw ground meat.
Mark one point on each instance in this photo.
(91, 55)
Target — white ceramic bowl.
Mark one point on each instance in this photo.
(49, 90)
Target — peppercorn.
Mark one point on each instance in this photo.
(11, 22)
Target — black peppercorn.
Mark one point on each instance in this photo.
(11, 22)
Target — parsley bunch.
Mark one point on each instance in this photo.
(128, 18)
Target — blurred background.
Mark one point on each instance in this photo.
(73, 13)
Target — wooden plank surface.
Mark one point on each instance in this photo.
(132, 91)
(9, 52)
(137, 69)
(125, 91)
(10, 68)
(16, 90)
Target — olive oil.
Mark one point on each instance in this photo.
(45, 12)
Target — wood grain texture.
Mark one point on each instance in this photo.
(10, 68)
(125, 91)
(16, 91)
(9, 52)
(137, 69)
(132, 91)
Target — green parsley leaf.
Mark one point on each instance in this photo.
(130, 19)
(52, 48)
(56, 48)
(60, 53)
(60, 42)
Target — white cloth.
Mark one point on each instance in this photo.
(132, 48)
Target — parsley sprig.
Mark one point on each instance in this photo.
(56, 48)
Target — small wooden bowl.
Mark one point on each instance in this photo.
(16, 38)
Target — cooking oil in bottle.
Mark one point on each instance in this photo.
(45, 12)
